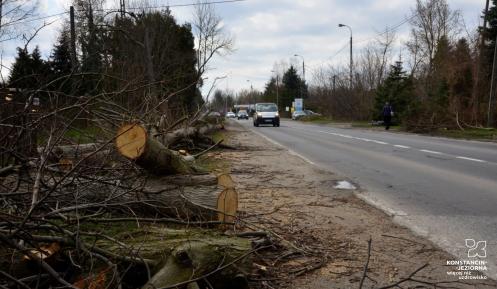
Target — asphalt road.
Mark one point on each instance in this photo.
(442, 189)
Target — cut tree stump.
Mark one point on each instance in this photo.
(227, 202)
(186, 254)
(205, 197)
(134, 142)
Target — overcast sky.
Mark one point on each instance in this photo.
(270, 31)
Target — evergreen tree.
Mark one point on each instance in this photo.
(491, 31)
(269, 94)
(397, 89)
(439, 94)
(170, 69)
(60, 60)
(61, 64)
(20, 75)
(292, 87)
(461, 81)
(29, 71)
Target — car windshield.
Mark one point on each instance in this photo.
(267, 107)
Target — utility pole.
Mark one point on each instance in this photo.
(123, 7)
(303, 76)
(491, 98)
(351, 56)
(251, 95)
(334, 83)
(277, 89)
(73, 38)
(476, 96)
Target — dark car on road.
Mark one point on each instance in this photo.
(266, 113)
(242, 114)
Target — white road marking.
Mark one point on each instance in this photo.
(471, 159)
(384, 143)
(432, 152)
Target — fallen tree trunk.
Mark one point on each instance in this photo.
(188, 202)
(134, 142)
(72, 152)
(215, 199)
(188, 132)
(188, 254)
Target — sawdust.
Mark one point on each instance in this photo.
(298, 201)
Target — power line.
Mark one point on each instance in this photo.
(128, 8)
(182, 5)
(389, 29)
(34, 19)
(340, 50)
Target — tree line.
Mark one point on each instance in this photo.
(143, 59)
(441, 79)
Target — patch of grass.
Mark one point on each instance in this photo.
(213, 164)
(363, 124)
(218, 135)
(316, 119)
(83, 135)
(471, 133)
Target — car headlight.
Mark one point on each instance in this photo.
(277, 114)
(259, 114)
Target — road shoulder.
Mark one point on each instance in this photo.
(280, 191)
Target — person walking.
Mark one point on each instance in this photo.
(387, 115)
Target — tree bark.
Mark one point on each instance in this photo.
(188, 132)
(191, 253)
(134, 142)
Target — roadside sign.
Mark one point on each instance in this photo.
(287, 108)
(299, 104)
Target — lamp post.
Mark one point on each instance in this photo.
(277, 89)
(351, 57)
(303, 74)
(250, 96)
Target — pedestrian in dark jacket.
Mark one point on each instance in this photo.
(387, 115)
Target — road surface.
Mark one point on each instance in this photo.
(442, 189)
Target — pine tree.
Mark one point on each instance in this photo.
(461, 78)
(397, 89)
(29, 71)
(491, 31)
(439, 93)
(61, 64)
(269, 94)
(292, 87)
(21, 70)
(60, 60)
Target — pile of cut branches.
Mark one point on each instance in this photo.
(128, 207)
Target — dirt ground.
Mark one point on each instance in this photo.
(281, 192)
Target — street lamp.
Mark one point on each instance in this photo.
(277, 89)
(351, 57)
(250, 96)
(303, 74)
(303, 65)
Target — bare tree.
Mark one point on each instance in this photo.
(374, 60)
(431, 21)
(211, 39)
(12, 15)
